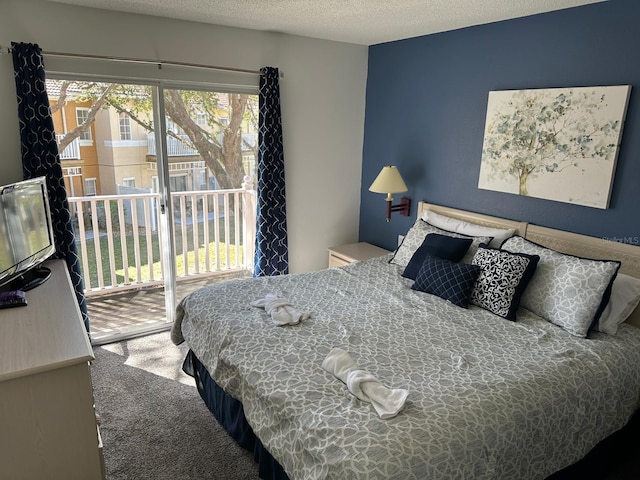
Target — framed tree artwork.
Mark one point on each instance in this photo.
(559, 143)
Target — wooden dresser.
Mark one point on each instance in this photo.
(47, 421)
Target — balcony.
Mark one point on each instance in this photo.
(72, 151)
(119, 240)
(176, 147)
(180, 146)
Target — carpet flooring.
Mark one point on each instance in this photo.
(154, 425)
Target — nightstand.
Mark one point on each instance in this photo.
(353, 252)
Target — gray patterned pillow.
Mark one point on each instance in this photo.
(503, 279)
(416, 235)
(568, 291)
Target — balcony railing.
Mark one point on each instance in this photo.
(176, 147)
(119, 238)
(180, 147)
(72, 151)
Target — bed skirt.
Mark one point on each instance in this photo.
(230, 415)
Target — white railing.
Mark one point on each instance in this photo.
(119, 240)
(176, 147)
(179, 166)
(71, 151)
(180, 147)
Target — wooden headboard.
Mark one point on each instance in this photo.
(560, 240)
(480, 219)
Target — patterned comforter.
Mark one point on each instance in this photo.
(488, 398)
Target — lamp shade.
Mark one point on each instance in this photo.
(388, 181)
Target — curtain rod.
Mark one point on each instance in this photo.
(159, 63)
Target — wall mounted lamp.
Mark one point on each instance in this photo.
(389, 181)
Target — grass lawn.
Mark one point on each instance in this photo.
(220, 255)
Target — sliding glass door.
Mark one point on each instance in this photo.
(158, 180)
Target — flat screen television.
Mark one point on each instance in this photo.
(26, 234)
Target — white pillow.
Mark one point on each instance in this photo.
(472, 229)
(416, 235)
(625, 296)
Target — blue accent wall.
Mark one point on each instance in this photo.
(426, 106)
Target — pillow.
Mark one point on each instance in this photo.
(441, 246)
(569, 291)
(472, 229)
(625, 296)
(416, 235)
(502, 280)
(446, 279)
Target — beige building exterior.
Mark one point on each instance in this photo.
(118, 153)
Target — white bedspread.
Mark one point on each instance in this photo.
(488, 398)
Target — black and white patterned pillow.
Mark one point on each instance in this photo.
(446, 279)
(416, 235)
(568, 291)
(502, 281)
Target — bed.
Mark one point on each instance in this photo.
(488, 397)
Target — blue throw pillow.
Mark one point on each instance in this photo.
(502, 280)
(441, 246)
(446, 279)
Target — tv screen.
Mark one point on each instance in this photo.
(26, 234)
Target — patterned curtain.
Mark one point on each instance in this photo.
(40, 155)
(272, 256)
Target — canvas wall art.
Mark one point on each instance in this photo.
(559, 143)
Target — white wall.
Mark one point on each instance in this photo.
(322, 99)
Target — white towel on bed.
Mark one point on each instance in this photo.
(387, 401)
(281, 311)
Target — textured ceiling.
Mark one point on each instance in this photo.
(364, 22)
